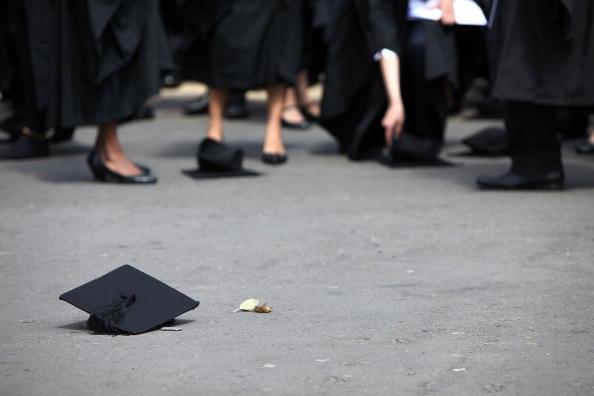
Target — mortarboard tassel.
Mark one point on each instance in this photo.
(107, 319)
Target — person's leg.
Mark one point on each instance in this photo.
(309, 108)
(31, 139)
(534, 142)
(111, 152)
(216, 107)
(291, 114)
(535, 149)
(273, 141)
(295, 99)
(426, 102)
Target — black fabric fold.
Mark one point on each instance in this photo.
(95, 61)
(245, 44)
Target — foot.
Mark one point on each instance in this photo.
(24, 147)
(104, 173)
(292, 118)
(274, 151)
(512, 181)
(123, 166)
(274, 159)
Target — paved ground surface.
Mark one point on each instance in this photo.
(383, 281)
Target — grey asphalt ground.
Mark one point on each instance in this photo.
(382, 281)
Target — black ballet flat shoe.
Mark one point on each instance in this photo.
(585, 148)
(197, 107)
(511, 181)
(299, 126)
(27, 145)
(308, 115)
(103, 174)
(274, 159)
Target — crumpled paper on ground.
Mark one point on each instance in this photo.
(254, 305)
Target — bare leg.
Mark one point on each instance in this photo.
(291, 112)
(216, 107)
(108, 146)
(301, 87)
(273, 141)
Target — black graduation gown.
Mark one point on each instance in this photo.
(95, 61)
(544, 52)
(6, 60)
(243, 44)
(354, 99)
(354, 94)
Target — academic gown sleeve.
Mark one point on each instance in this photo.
(356, 32)
(377, 18)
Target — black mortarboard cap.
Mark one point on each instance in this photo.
(128, 301)
(408, 147)
(216, 160)
(491, 141)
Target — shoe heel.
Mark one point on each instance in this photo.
(98, 173)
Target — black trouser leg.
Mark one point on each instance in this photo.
(534, 141)
(32, 142)
(34, 119)
(425, 102)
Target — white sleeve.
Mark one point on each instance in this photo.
(385, 54)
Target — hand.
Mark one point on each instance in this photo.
(448, 17)
(393, 121)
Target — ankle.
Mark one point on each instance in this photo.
(217, 136)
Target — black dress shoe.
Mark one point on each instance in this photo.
(27, 145)
(274, 159)
(512, 181)
(197, 107)
(103, 174)
(61, 135)
(585, 148)
(236, 107)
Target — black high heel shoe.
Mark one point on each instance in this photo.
(103, 174)
(274, 159)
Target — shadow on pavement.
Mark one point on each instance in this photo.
(81, 327)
